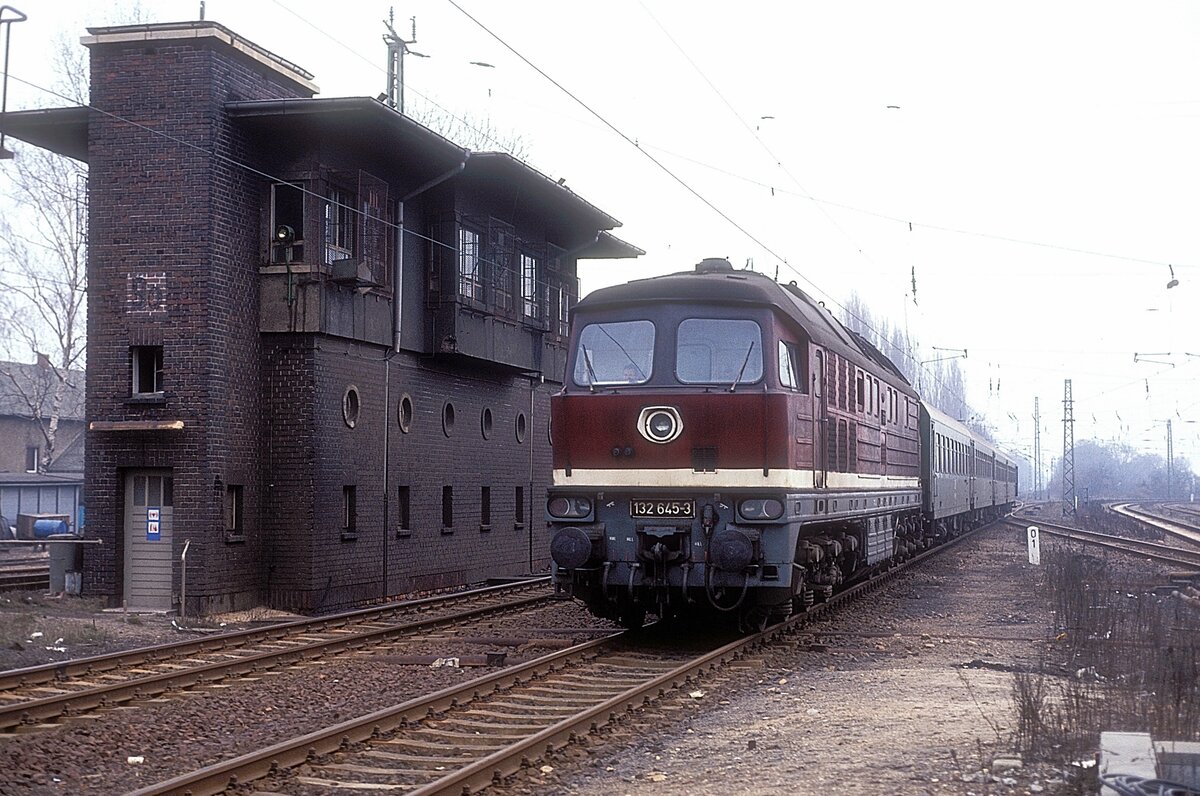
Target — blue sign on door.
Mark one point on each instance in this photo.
(152, 525)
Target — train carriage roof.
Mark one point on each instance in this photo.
(943, 421)
(717, 281)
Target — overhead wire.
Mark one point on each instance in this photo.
(544, 284)
(541, 283)
(694, 192)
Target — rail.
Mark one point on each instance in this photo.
(237, 655)
(488, 728)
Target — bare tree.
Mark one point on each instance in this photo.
(470, 131)
(43, 265)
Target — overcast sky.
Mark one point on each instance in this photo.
(1036, 164)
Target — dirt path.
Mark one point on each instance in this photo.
(907, 692)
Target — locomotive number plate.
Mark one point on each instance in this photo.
(662, 508)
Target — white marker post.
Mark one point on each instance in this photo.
(1035, 545)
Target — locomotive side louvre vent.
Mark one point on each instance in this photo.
(852, 443)
(704, 460)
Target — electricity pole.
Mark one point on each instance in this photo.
(1068, 460)
(1170, 457)
(1037, 450)
(397, 49)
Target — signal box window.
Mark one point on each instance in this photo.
(447, 508)
(715, 350)
(615, 353)
(234, 524)
(404, 509)
(287, 210)
(530, 277)
(339, 226)
(470, 265)
(147, 369)
(349, 512)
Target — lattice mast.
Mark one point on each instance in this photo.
(1170, 459)
(1068, 460)
(1037, 451)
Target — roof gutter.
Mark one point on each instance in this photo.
(398, 273)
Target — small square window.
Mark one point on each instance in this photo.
(147, 369)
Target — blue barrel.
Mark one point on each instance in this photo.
(43, 528)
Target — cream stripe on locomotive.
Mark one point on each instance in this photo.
(686, 478)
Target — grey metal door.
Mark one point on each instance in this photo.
(149, 495)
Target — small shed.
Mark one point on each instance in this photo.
(40, 493)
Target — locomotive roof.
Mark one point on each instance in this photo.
(718, 282)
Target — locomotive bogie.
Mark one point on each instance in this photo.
(740, 554)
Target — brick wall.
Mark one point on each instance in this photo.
(166, 211)
(315, 455)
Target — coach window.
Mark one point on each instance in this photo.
(716, 350)
(620, 352)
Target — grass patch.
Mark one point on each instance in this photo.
(1128, 659)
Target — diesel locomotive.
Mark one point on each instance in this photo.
(723, 444)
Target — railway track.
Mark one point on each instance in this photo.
(1181, 531)
(1170, 554)
(1189, 509)
(461, 739)
(25, 578)
(43, 693)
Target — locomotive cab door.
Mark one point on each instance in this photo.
(818, 426)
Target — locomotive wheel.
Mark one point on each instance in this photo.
(632, 617)
(754, 620)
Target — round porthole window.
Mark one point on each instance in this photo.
(350, 406)
(522, 427)
(448, 418)
(404, 413)
(485, 422)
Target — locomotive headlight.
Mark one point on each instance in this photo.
(571, 548)
(565, 507)
(760, 509)
(660, 424)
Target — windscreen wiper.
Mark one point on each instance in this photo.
(745, 362)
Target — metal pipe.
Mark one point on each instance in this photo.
(183, 579)
(8, 23)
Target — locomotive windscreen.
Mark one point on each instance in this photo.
(718, 350)
(619, 352)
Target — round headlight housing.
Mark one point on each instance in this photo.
(760, 509)
(731, 550)
(568, 507)
(571, 548)
(660, 424)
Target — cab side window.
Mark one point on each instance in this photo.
(791, 370)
